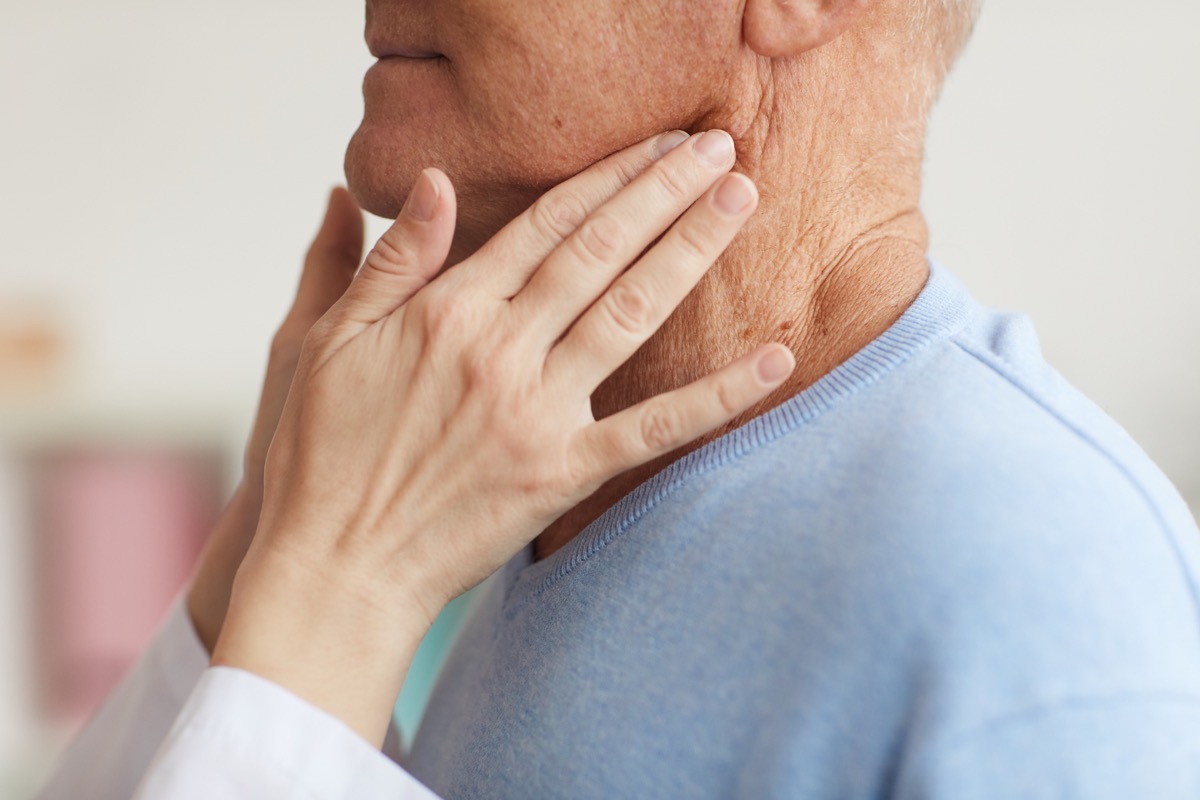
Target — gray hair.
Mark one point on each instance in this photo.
(945, 26)
(942, 29)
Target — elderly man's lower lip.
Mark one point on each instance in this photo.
(387, 71)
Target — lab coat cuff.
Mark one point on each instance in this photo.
(319, 755)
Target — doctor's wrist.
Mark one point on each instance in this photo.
(325, 633)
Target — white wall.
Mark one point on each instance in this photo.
(1064, 180)
(162, 168)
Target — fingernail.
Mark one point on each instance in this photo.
(733, 195)
(423, 199)
(775, 366)
(668, 142)
(715, 148)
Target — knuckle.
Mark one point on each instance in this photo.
(487, 367)
(495, 361)
(599, 239)
(728, 398)
(558, 214)
(662, 426)
(673, 183)
(693, 241)
(391, 254)
(492, 366)
(578, 473)
(628, 169)
(439, 313)
(317, 335)
(629, 307)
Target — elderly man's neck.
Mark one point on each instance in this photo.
(823, 270)
(833, 257)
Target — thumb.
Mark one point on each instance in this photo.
(332, 259)
(408, 255)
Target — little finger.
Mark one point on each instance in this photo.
(664, 423)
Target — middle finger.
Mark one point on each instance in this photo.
(640, 301)
(584, 266)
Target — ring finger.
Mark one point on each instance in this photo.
(638, 302)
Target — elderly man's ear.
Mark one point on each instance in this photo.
(782, 28)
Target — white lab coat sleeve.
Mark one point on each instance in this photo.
(113, 752)
(241, 736)
(109, 756)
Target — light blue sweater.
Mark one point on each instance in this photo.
(940, 572)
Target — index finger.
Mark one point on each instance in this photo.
(526, 241)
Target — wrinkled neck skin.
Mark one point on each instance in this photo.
(834, 255)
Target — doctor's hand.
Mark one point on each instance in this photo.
(329, 266)
(437, 424)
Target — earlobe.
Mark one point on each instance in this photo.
(783, 28)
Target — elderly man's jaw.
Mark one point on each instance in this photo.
(528, 93)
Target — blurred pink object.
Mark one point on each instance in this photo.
(120, 532)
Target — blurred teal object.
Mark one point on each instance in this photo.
(428, 660)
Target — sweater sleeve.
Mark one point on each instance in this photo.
(1111, 749)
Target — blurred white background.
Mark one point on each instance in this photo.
(162, 167)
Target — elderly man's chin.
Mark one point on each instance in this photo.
(379, 173)
(492, 185)
(495, 179)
